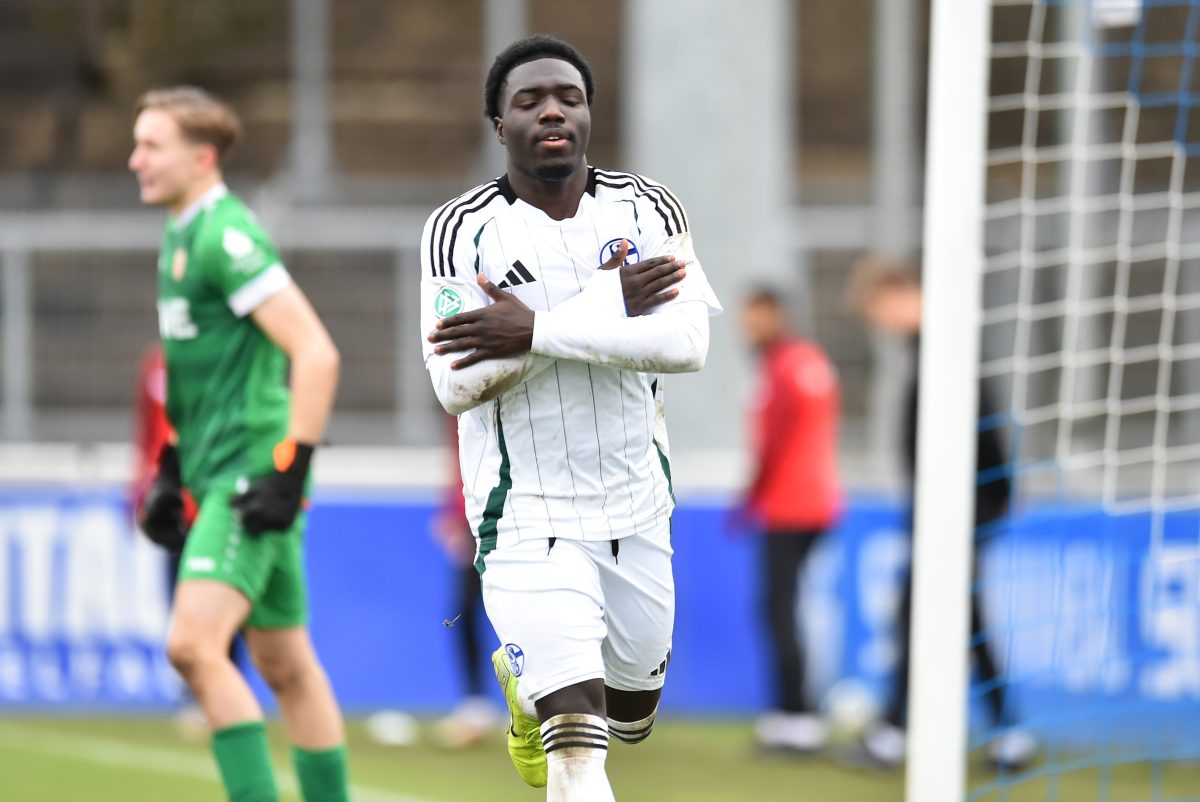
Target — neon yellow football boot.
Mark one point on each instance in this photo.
(524, 733)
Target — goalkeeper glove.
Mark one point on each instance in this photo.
(160, 515)
(272, 502)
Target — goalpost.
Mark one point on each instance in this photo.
(951, 275)
(1062, 274)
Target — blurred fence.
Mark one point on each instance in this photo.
(78, 308)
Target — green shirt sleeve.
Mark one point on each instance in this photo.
(241, 262)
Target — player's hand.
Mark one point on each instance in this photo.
(160, 515)
(272, 502)
(502, 329)
(645, 284)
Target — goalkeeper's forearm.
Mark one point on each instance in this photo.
(314, 385)
(672, 341)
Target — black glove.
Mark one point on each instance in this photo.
(272, 502)
(160, 516)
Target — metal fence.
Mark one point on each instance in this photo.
(78, 309)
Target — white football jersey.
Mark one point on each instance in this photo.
(576, 450)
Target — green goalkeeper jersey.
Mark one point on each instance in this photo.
(226, 393)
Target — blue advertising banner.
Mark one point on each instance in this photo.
(83, 604)
(1076, 610)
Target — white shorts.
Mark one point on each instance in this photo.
(575, 612)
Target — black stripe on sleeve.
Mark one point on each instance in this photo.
(629, 185)
(663, 199)
(670, 197)
(459, 217)
(442, 218)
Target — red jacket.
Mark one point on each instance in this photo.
(152, 430)
(795, 430)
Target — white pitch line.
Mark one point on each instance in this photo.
(64, 746)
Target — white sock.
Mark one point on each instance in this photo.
(527, 705)
(632, 732)
(576, 746)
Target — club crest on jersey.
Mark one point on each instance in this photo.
(516, 659)
(237, 243)
(447, 303)
(179, 264)
(613, 245)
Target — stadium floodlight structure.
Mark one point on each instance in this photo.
(1062, 273)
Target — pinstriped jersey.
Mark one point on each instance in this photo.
(577, 450)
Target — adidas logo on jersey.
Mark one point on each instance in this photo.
(518, 275)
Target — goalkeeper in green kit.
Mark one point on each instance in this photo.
(231, 318)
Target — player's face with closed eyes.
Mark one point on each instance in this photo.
(545, 122)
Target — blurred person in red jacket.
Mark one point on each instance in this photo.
(794, 498)
(151, 434)
(152, 431)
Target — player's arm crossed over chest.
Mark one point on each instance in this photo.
(663, 304)
(449, 263)
(659, 328)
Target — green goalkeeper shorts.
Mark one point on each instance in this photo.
(268, 569)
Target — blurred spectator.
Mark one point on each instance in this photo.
(152, 431)
(888, 298)
(475, 716)
(794, 499)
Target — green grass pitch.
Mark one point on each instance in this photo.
(53, 759)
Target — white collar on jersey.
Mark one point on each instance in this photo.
(214, 194)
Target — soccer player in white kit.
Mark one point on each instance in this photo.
(552, 301)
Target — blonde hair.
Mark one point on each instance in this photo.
(873, 275)
(202, 118)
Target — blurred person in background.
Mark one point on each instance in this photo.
(230, 318)
(887, 296)
(793, 499)
(151, 430)
(475, 715)
(562, 427)
(153, 433)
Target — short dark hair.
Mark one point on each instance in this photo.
(763, 295)
(531, 48)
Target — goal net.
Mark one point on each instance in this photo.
(1088, 588)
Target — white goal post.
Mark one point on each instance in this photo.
(952, 280)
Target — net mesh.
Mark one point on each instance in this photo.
(1090, 585)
